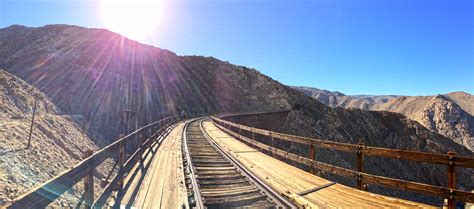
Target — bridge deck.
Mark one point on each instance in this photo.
(290, 180)
(159, 181)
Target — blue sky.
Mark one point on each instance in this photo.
(406, 47)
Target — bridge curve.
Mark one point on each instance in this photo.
(159, 151)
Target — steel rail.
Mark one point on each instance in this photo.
(277, 198)
(195, 185)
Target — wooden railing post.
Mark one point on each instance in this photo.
(121, 162)
(273, 144)
(360, 165)
(312, 156)
(240, 133)
(89, 184)
(253, 139)
(451, 203)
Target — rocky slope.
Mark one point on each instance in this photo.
(99, 74)
(57, 141)
(450, 115)
(463, 99)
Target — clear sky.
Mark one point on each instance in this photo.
(406, 47)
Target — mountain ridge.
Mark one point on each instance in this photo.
(449, 114)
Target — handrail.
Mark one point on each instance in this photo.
(225, 115)
(361, 177)
(47, 192)
(114, 183)
(400, 154)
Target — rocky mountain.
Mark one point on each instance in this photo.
(338, 99)
(463, 99)
(450, 114)
(57, 141)
(100, 75)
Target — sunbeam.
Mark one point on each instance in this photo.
(135, 19)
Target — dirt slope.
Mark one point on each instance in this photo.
(57, 141)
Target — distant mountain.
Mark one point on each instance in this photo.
(463, 99)
(338, 99)
(450, 115)
(98, 74)
(57, 141)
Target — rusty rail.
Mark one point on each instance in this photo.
(450, 193)
(46, 193)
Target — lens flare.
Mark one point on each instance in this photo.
(135, 19)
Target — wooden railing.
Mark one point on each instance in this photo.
(46, 193)
(450, 160)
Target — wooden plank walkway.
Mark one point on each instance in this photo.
(290, 180)
(158, 182)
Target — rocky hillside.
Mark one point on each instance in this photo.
(463, 99)
(99, 74)
(450, 114)
(57, 141)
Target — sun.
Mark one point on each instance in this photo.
(135, 19)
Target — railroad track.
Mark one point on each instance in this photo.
(216, 180)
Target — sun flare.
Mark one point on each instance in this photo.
(135, 19)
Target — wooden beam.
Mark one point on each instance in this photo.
(451, 180)
(312, 155)
(360, 166)
(89, 184)
(46, 193)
